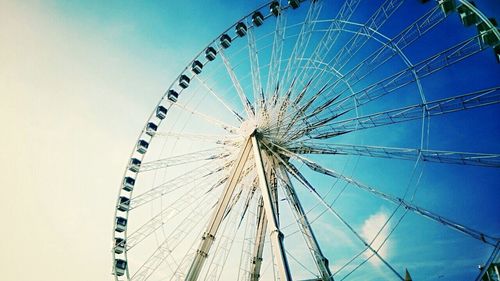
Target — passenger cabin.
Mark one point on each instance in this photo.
(161, 112)
(241, 29)
(196, 67)
(119, 245)
(172, 95)
(487, 35)
(467, 16)
(210, 53)
(257, 18)
(123, 204)
(447, 6)
(121, 224)
(184, 81)
(151, 128)
(120, 267)
(134, 165)
(275, 8)
(296, 3)
(128, 184)
(142, 146)
(225, 41)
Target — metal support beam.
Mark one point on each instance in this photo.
(305, 227)
(276, 236)
(259, 242)
(218, 215)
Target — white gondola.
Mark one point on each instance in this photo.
(151, 128)
(120, 267)
(123, 204)
(225, 41)
(121, 224)
(196, 67)
(241, 29)
(184, 81)
(467, 16)
(210, 53)
(447, 6)
(295, 3)
(134, 165)
(142, 146)
(119, 245)
(172, 95)
(487, 35)
(128, 184)
(275, 8)
(161, 112)
(257, 18)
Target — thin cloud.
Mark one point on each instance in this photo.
(369, 230)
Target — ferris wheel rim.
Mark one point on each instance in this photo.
(186, 69)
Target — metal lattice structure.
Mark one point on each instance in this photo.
(248, 165)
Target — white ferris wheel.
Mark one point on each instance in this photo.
(322, 140)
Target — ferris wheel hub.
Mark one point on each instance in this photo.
(248, 127)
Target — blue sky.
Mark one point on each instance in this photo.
(79, 78)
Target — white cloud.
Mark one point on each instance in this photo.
(369, 230)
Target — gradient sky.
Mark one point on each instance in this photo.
(77, 82)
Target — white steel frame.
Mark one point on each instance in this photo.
(266, 159)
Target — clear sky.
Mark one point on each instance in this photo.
(77, 81)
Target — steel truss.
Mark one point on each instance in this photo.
(295, 113)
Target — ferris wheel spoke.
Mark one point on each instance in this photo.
(407, 76)
(331, 35)
(248, 200)
(209, 119)
(232, 203)
(195, 195)
(301, 265)
(283, 107)
(409, 35)
(477, 99)
(375, 237)
(258, 95)
(302, 41)
(305, 226)
(292, 119)
(219, 99)
(199, 173)
(405, 38)
(487, 239)
(495, 255)
(327, 41)
(260, 237)
(422, 69)
(217, 216)
(302, 179)
(237, 86)
(377, 20)
(360, 38)
(225, 240)
(412, 154)
(248, 239)
(209, 138)
(169, 244)
(274, 63)
(192, 157)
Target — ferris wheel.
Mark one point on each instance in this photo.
(322, 140)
